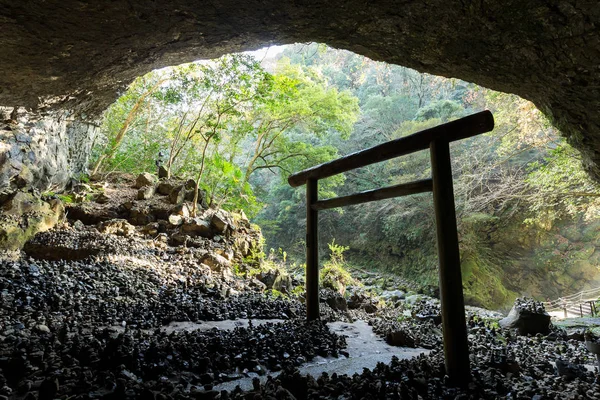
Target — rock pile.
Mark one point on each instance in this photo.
(75, 360)
(83, 314)
(528, 317)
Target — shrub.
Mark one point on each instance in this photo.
(334, 274)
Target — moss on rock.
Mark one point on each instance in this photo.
(23, 216)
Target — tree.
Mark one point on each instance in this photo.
(120, 116)
(300, 102)
(207, 97)
(232, 83)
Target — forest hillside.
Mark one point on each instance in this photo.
(238, 126)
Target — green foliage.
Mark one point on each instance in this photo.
(66, 198)
(298, 291)
(443, 110)
(337, 253)
(334, 274)
(257, 254)
(561, 187)
(224, 188)
(83, 178)
(275, 294)
(520, 171)
(221, 121)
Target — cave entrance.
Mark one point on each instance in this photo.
(437, 139)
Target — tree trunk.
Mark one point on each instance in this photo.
(197, 186)
(125, 127)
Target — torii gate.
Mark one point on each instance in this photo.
(437, 139)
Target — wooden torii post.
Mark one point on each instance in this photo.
(437, 139)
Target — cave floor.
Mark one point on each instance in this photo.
(365, 350)
(592, 323)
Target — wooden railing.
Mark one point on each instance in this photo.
(437, 140)
(579, 304)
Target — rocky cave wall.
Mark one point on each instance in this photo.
(42, 151)
(78, 55)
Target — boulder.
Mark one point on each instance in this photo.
(162, 172)
(197, 227)
(256, 284)
(140, 215)
(283, 284)
(182, 210)
(144, 179)
(576, 334)
(24, 178)
(175, 220)
(165, 187)
(160, 210)
(334, 300)
(119, 227)
(356, 300)
(400, 338)
(177, 195)
(369, 308)
(268, 277)
(242, 246)
(412, 299)
(392, 295)
(243, 218)
(24, 215)
(216, 262)
(526, 322)
(189, 196)
(220, 221)
(227, 253)
(146, 192)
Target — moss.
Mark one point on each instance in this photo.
(24, 216)
(482, 284)
(585, 253)
(298, 291)
(255, 227)
(335, 277)
(572, 233)
(66, 198)
(276, 294)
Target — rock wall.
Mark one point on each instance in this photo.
(502, 258)
(41, 151)
(512, 258)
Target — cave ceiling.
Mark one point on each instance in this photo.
(79, 55)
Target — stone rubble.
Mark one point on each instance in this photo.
(85, 305)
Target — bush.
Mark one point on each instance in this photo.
(334, 274)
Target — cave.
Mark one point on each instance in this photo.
(78, 56)
(65, 62)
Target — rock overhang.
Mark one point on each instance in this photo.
(80, 55)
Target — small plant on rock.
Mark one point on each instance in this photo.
(334, 274)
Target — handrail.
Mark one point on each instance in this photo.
(561, 300)
(568, 303)
(462, 128)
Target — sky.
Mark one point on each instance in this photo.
(266, 52)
